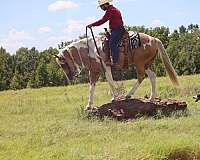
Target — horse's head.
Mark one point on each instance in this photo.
(65, 61)
(71, 58)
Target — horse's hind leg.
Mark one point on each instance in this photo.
(152, 77)
(140, 77)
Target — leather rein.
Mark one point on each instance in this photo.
(95, 46)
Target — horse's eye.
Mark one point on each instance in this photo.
(61, 59)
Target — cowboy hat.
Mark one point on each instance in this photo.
(101, 2)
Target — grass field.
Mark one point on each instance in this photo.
(48, 124)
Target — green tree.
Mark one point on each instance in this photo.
(25, 62)
(41, 75)
(6, 72)
(17, 81)
(182, 29)
(184, 51)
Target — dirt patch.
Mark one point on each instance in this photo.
(135, 108)
(183, 155)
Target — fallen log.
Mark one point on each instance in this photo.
(135, 108)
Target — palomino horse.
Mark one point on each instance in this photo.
(78, 55)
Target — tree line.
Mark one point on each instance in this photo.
(34, 69)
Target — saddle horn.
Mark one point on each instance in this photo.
(107, 34)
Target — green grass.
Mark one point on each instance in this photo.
(48, 124)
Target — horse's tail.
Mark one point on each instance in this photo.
(167, 63)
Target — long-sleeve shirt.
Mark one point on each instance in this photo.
(113, 15)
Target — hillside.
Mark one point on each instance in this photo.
(49, 124)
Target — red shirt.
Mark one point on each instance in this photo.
(113, 15)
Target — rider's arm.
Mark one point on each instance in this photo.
(104, 19)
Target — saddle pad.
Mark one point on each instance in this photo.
(134, 40)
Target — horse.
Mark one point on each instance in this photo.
(83, 54)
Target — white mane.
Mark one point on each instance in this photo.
(83, 44)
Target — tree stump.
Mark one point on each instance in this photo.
(135, 108)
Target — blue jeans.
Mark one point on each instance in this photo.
(115, 37)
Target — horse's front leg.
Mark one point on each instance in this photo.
(93, 76)
(111, 83)
(133, 90)
(91, 96)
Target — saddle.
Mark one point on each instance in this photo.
(126, 46)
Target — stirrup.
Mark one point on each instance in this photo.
(108, 63)
(115, 65)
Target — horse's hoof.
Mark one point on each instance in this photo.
(116, 99)
(87, 108)
(90, 108)
(127, 97)
(147, 97)
(154, 98)
(113, 100)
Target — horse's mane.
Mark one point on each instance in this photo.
(83, 42)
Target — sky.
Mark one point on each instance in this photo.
(45, 23)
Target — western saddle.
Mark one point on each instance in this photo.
(124, 49)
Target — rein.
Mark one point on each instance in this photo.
(88, 48)
(95, 46)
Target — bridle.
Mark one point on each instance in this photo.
(75, 73)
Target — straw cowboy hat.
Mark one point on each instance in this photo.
(101, 2)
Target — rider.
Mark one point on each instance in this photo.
(116, 25)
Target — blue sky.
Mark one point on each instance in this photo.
(44, 23)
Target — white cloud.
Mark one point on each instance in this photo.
(15, 39)
(157, 23)
(127, 1)
(54, 40)
(79, 25)
(45, 29)
(18, 35)
(74, 25)
(61, 5)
